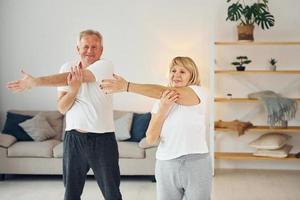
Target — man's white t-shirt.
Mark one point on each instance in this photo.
(184, 130)
(92, 110)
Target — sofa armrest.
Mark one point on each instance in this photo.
(6, 140)
(143, 144)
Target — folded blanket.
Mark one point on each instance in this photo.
(235, 125)
(278, 108)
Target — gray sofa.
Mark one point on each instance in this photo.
(32, 157)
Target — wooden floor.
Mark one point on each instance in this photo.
(256, 185)
(227, 185)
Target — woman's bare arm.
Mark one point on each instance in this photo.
(187, 96)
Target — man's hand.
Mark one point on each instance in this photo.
(119, 84)
(21, 85)
(75, 79)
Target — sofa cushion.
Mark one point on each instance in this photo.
(276, 153)
(12, 127)
(54, 118)
(7, 140)
(130, 150)
(38, 128)
(33, 149)
(139, 126)
(126, 150)
(123, 121)
(58, 150)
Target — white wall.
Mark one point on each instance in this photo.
(140, 37)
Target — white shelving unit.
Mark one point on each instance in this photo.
(215, 73)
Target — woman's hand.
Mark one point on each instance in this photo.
(119, 84)
(167, 101)
(74, 79)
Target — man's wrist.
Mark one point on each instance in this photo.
(34, 82)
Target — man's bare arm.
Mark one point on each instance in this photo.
(67, 99)
(61, 79)
(55, 80)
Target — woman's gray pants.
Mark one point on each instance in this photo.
(189, 176)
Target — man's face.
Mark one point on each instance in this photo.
(89, 49)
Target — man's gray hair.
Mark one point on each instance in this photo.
(90, 32)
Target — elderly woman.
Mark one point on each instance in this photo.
(183, 165)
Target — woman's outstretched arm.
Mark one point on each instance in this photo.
(187, 96)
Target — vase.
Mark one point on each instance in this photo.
(240, 68)
(284, 124)
(273, 67)
(245, 32)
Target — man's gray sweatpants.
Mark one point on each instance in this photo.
(189, 176)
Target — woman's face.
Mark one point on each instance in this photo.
(179, 76)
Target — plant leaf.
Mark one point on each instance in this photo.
(236, 63)
(265, 20)
(234, 12)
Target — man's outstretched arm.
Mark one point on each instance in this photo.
(55, 80)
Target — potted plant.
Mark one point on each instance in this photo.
(248, 15)
(273, 62)
(241, 61)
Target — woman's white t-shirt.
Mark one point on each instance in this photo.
(184, 130)
(92, 110)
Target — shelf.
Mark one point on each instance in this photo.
(241, 100)
(257, 72)
(249, 156)
(257, 129)
(258, 43)
(261, 72)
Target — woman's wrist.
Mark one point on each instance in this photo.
(163, 110)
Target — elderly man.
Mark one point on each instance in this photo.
(89, 141)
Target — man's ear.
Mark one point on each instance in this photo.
(77, 48)
(101, 49)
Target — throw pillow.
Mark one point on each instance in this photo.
(139, 126)
(53, 117)
(270, 141)
(122, 126)
(12, 127)
(143, 144)
(7, 140)
(38, 128)
(283, 152)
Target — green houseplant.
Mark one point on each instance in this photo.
(240, 63)
(273, 62)
(248, 15)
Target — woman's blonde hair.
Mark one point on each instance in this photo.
(190, 65)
